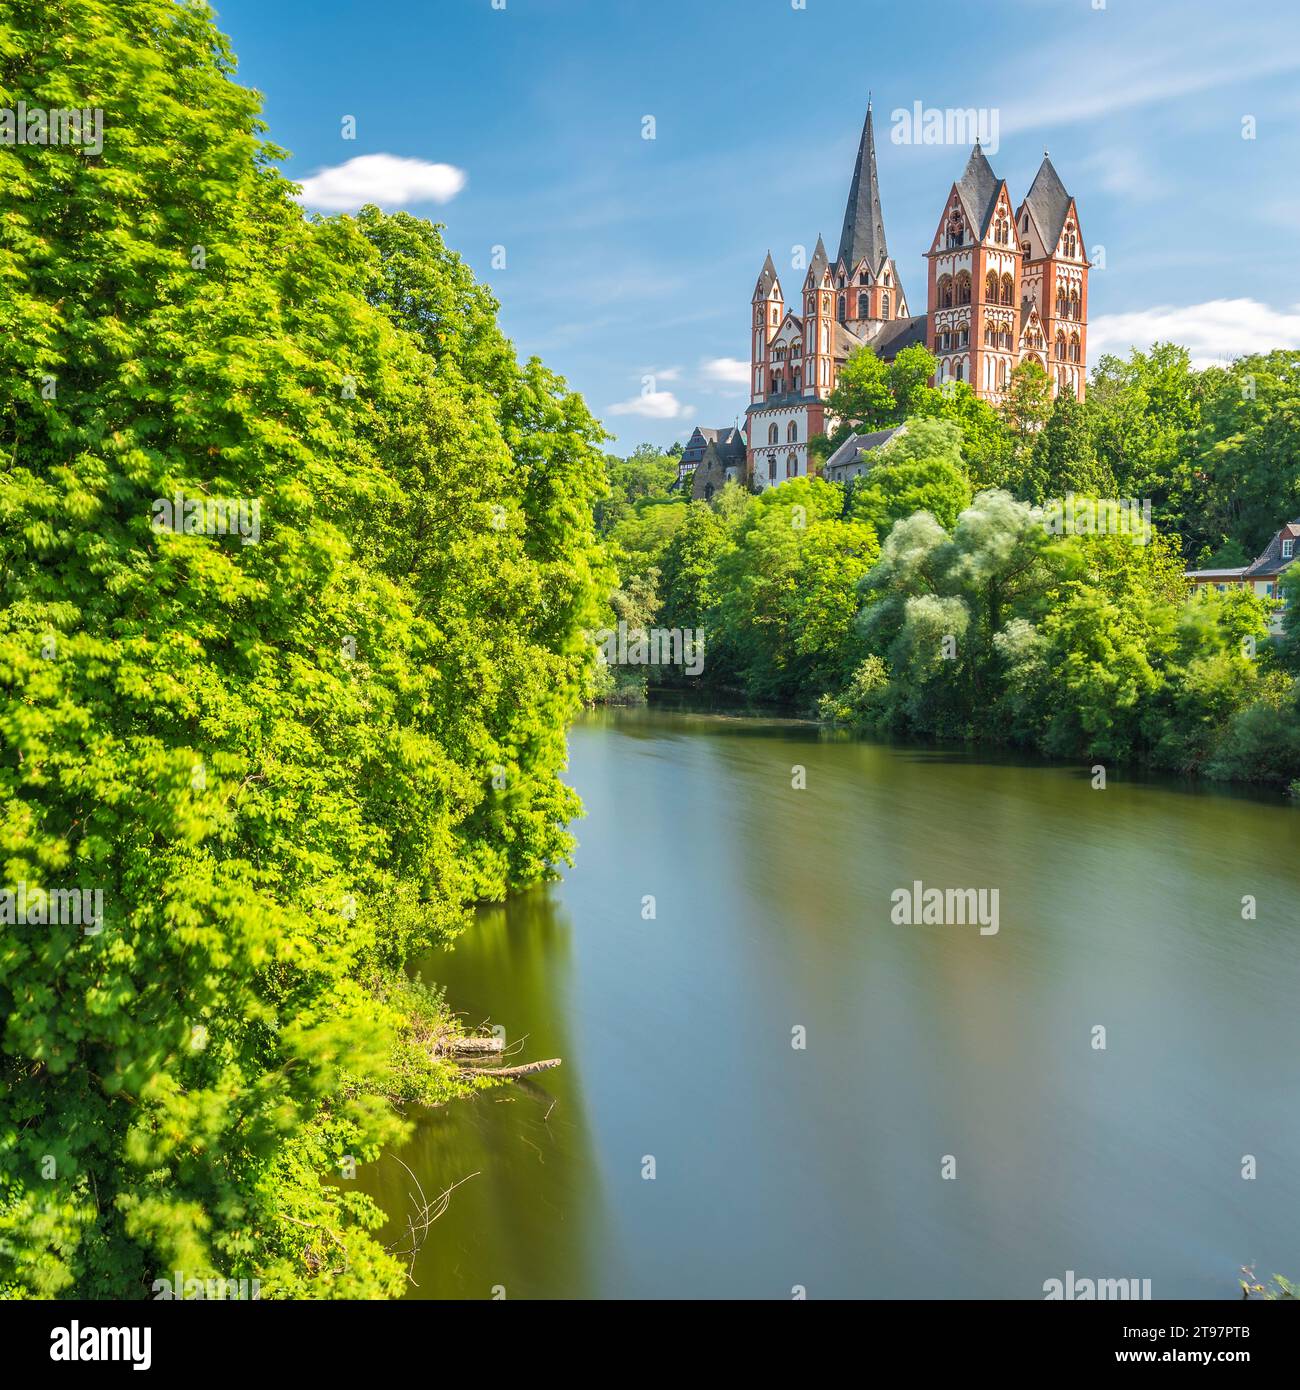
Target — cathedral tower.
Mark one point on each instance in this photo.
(1055, 280)
(975, 283)
(867, 287)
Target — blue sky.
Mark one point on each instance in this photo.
(627, 257)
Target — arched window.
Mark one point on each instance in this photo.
(864, 306)
(961, 288)
(1075, 305)
(841, 309)
(708, 491)
(773, 434)
(771, 466)
(943, 290)
(991, 287)
(792, 434)
(1060, 347)
(1074, 348)
(792, 465)
(777, 381)
(956, 230)
(1002, 376)
(961, 370)
(1008, 290)
(884, 304)
(798, 380)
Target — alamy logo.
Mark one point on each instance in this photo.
(957, 907)
(209, 516)
(209, 1290)
(950, 125)
(35, 125)
(656, 646)
(1073, 1288)
(77, 1343)
(53, 907)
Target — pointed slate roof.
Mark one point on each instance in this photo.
(1049, 202)
(820, 261)
(978, 187)
(864, 223)
(766, 277)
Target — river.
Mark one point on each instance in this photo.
(929, 1049)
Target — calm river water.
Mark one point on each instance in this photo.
(777, 1166)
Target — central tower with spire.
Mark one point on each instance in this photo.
(797, 349)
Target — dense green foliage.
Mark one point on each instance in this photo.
(287, 765)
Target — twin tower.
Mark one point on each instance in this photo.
(1005, 284)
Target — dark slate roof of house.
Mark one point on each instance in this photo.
(864, 223)
(978, 187)
(1049, 202)
(858, 444)
(1271, 561)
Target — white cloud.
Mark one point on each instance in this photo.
(725, 371)
(667, 374)
(653, 405)
(1213, 332)
(385, 179)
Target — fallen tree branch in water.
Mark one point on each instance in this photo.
(510, 1073)
(464, 1047)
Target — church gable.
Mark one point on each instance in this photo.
(1033, 336)
(954, 222)
(1001, 229)
(1069, 245)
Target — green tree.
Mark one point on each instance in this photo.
(287, 765)
(918, 470)
(1062, 460)
(785, 583)
(646, 474)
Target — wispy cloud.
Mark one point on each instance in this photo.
(1213, 332)
(651, 405)
(1156, 64)
(725, 371)
(385, 179)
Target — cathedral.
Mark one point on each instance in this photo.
(1004, 285)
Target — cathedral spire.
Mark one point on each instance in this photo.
(864, 223)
